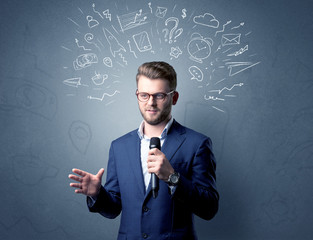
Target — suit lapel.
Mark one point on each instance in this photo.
(175, 137)
(134, 150)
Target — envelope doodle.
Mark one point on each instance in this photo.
(230, 39)
(160, 12)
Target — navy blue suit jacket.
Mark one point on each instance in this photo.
(167, 216)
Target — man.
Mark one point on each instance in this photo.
(185, 166)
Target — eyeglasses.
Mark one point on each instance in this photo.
(144, 97)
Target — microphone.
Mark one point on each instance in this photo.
(155, 143)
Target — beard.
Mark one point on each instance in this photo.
(161, 116)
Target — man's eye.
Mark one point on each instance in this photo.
(144, 95)
(159, 96)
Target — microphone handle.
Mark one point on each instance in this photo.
(154, 184)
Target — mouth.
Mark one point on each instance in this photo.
(152, 111)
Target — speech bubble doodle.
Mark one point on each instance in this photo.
(196, 73)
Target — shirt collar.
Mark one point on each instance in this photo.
(163, 134)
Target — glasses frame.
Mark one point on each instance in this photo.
(154, 95)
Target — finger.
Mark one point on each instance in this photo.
(79, 172)
(152, 158)
(153, 151)
(75, 178)
(100, 173)
(76, 185)
(79, 191)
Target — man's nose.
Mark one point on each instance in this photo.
(152, 100)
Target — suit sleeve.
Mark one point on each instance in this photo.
(108, 202)
(198, 190)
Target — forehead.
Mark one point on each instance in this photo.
(152, 85)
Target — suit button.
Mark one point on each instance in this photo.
(145, 209)
(144, 235)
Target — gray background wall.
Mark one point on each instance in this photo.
(61, 106)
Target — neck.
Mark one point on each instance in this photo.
(154, 130)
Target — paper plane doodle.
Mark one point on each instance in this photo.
(73, 82)
(238, 67)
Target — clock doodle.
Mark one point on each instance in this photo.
(199, 47)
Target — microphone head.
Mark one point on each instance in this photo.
(155, 143)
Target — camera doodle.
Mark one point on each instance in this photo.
(216, 53)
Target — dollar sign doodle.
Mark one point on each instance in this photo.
(184, 13)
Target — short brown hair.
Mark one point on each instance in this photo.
(158, 70)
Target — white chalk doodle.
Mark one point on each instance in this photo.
(174, 31)
(107, 61)
(106, 13)
(74, 22)
(99, 79)
(223, 29)
(91, 22)
(161, 12)
(213, 98)
(73, 82)
(115, 46)
(238, 67)
(240, 25)
(142, 41)
(130, 49)
(175, 52)
(196, 73)
(239, 52)
(227, 89)
(85, 60)
(184, 13)
(132, 20)
(207, 20)
(199, 48)
(202, 39)
(95, 11)
(149, 4)
(80, 46)
(230, 39)
(103, 95)
(89, 38)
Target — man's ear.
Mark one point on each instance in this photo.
(175, 97)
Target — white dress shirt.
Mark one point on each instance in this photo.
(144, 148)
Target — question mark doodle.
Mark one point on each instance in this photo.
(166, 33)
(177, 32)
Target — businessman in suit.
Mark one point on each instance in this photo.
(185, 167)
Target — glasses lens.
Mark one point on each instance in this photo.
(143, 96)
(159, 96)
